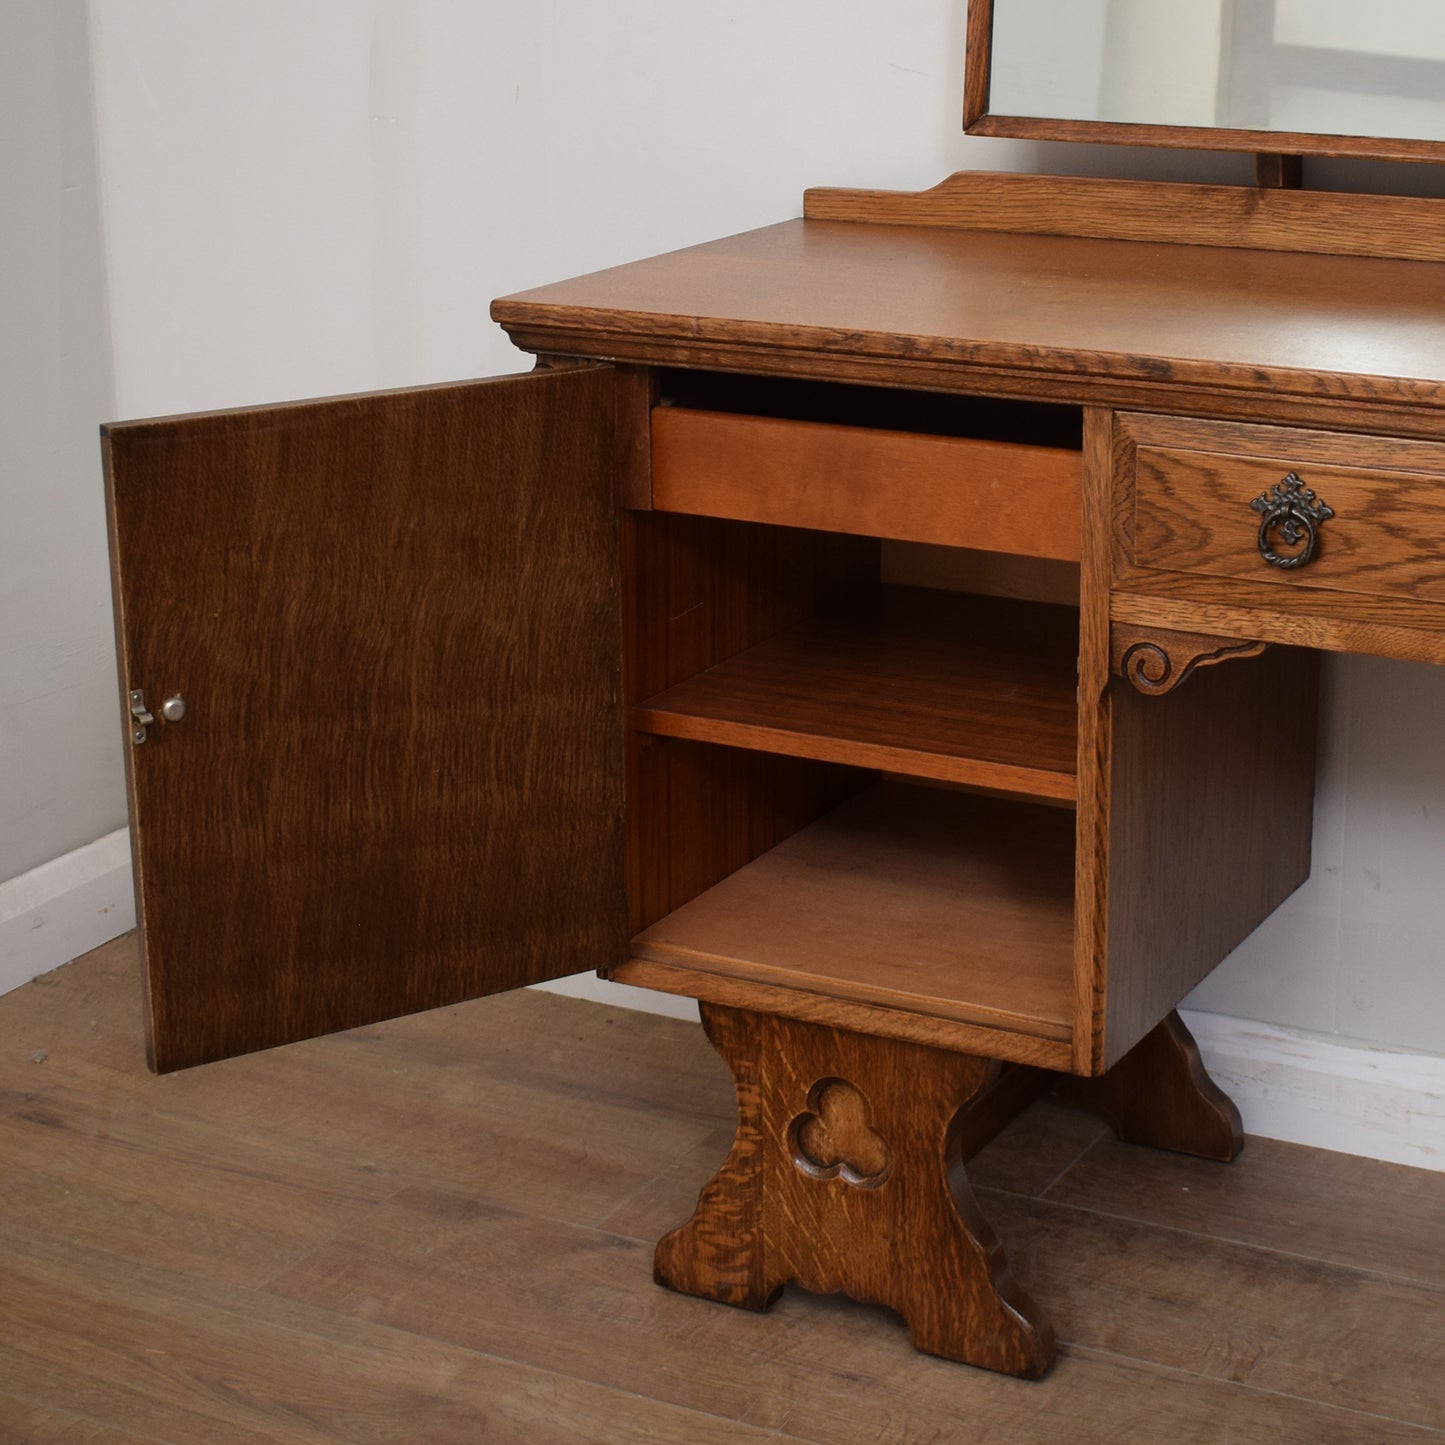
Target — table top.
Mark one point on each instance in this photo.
(1057, 311)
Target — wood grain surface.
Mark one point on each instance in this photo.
(905, 898)
(959, 491)
(441, 1228)
(1222, 138)
(1391, 627)
(1160, 1095)
(977, 61)
(866, 1198)
(1193, 483)
(1107, 208)
(695, 592)
(964, 689)
(636, 394)
(1024, 314)
(1210, 821)
(395, 622)
(882, 1021)
(1156, 660)
(1096, 744)
(1179, 561)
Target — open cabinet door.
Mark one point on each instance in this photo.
(393, 624)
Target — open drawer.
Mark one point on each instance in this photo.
(878, 469)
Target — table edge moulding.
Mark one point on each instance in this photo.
(921, 856)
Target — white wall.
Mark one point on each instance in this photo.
(313, 197)
(57, 699)
(60, 759)
(305, 197)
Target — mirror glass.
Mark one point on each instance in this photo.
(1329, 67)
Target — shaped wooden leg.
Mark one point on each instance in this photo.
(846, 1176)
(1159, 1094)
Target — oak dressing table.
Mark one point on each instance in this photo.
(627, 663)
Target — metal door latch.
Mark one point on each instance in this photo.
(173, 709)
(141, 716)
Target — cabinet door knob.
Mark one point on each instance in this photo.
(1290, 514)
(173, 709)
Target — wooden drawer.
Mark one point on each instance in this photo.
(994, 496)
(1186, 494)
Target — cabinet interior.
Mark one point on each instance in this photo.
(854, 769)
(946, 414)
(856, 787)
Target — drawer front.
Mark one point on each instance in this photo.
(957, 491)
(1317, 513)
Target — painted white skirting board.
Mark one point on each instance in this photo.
(1310, 1089)
(644, 1000)
(65, 908)
(1305, 1088)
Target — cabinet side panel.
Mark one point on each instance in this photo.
(398, 781)
(1210, 814)
(1094, 768)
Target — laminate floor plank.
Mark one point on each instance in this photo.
(1339, 1208)
(197, 1224)
(1225, 1311)
(1042, 1146)
(1097, 1400)
(669, 1197)
(22, 1421)
(441, 1229)
(261, 1369)
(819, 1369)
(534, 1138)
(496, 1281)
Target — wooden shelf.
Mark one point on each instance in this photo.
(979, 691)
(905, 897)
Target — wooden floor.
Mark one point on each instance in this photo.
(441, 1230)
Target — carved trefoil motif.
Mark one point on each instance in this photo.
(834, 1138)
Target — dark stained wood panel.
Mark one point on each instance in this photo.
(396, 625)
(1070, 312)
(962, 689)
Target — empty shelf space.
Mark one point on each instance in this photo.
(978, 691)
(905, 897)
(882, 407)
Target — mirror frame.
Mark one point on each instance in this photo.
(979, 120)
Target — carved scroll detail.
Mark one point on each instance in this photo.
(1156, 661)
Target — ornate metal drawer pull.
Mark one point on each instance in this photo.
(1292, 514)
